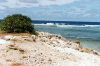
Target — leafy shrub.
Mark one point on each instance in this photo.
(17, 23)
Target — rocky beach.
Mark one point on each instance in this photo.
(44, 50)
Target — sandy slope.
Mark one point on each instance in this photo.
(45, 50)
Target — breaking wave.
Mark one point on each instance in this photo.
(77, 26)
(48, 24)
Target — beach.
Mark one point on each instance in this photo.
(88, 35)
(46, 49)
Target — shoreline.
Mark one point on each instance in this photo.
(84, 34)
(88, 43)
(45, 49)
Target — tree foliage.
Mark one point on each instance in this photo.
(17, 23)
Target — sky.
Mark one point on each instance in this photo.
(59, 10)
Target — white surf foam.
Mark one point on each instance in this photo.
(48, 24)
(77, 25)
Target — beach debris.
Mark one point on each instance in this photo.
(17, 64)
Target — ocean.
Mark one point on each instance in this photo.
(88, 33)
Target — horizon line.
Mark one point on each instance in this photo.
(62, 20)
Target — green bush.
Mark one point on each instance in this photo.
(17, 23)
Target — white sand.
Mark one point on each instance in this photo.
(2, 41)
(86, 59)
(45, 50)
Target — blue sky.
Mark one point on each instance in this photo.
(66, 10)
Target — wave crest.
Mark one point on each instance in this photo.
(78, 26)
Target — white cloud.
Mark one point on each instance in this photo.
(32, 3)
(1, 7)
(15, 4)
(86, 15)
(55, 2)
(3, 0)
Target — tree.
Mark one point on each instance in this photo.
(17, 23)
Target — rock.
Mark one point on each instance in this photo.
(19, 38)
(33, 36)
(8, 37)
(96, 53)
(80, 46)
(28, 39)
(16, 38)
(24, 36)
(87, 50)
(77, 42)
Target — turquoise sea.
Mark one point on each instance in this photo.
(88, 35)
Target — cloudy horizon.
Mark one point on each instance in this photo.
(63, 10)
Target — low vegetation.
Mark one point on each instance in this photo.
(17, 23)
